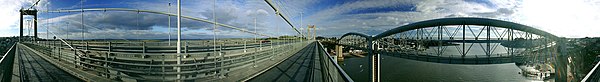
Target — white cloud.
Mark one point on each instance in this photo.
(9, 25)
(542, 14)
(229, 12)
(10, 16)
(573, 18)
(335, 20)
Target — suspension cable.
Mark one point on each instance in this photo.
(157, 12)
(273, 5)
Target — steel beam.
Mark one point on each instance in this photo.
(466, 21)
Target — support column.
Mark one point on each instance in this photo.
(374, 58)
(561, 61)
(339, 52)
(463, 43)
(178, 40)
(489, 50)
(35, 27)
(21, 26)
(308, 33)
(27, 12)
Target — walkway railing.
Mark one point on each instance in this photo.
(154, 61)
(592, 76)
(6, 64)
(332, 71)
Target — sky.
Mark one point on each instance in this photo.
(333, 18)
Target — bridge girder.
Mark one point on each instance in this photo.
(559, 57)
(466, 21)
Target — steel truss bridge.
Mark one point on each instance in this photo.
(462, 40)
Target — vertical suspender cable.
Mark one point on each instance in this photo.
(255, 40)
(169, 29)
(169, 17)
(29, 28)
(47, 38)
(67, 31)
(215, 33)
(277, 34)
(82, 26)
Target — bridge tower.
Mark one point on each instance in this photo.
(28, 12)
(311, 34)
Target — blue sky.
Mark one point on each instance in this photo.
(575, 18)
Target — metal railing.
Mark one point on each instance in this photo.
(331, 69)
(6, 64)
(148, 61)
(592, 76)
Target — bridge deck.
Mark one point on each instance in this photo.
(33, 68)
(301, 67)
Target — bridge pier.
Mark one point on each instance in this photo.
(561, 62)
(339, 52)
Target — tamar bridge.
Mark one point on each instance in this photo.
(466, 40)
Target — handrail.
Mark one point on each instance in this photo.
(158, 50)
(6, 65)
(5, 54)
(590, 73)
(141, 67)
(190, 64)
(340, 70)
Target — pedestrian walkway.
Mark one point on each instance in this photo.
(33, 68)
(303, 66)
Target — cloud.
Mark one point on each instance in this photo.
(121, 21)
(10, 16)
(368, 16)
(9, 26)
(337, 18)
(154, 26)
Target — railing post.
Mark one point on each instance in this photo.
(245, 45)
(254, 55)
(143, 50)
(60, 53)
(76, 57)
(260, 44)
(86, 49)
(86, 46)
(53, 47)
(272, 51)
(221, 58)
(106, 58)
(185, 49)
(163, 67)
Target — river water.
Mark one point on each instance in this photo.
(395, 69)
